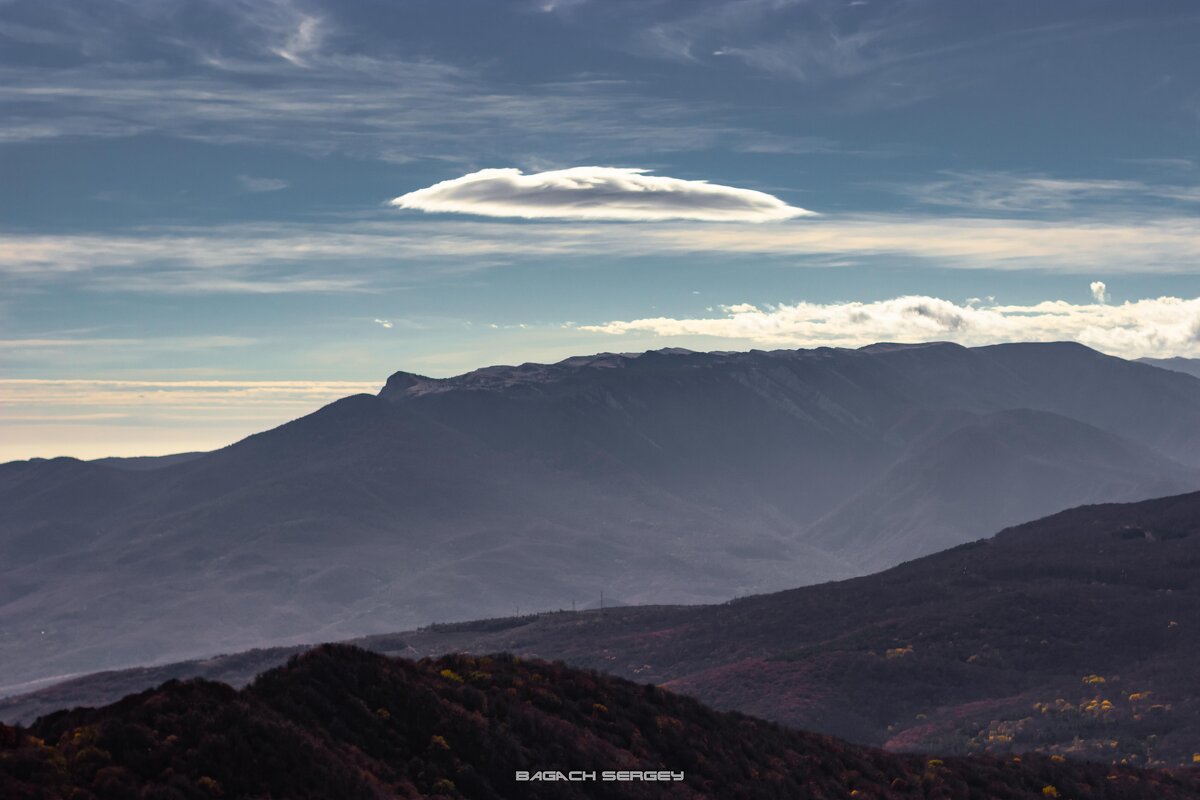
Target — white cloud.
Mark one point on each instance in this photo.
(596, 193)
(384, 323)
(1099, 291)
(1151, 327)
(250, 183)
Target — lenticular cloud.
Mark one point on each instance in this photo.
(596, 193)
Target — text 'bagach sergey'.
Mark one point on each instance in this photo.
(664, 776)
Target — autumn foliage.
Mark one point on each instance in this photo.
(339, 722)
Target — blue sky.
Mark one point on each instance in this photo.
(198, 240)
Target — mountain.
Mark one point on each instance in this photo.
(341, 722)
(1074, 635)
(1190, 366)
(666, 476)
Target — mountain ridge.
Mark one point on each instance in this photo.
(667, 476)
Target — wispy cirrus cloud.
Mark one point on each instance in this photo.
(316, 78)
(990, 192)
(1147, 327)
(259, 258)
(191, 393)
(131, 343)
(1161, 245)
(251, 183)
(305, 38)
(52, 353)
(359, 256)
(391, 109)
(552, 6)
(596, 193)
(877, 55)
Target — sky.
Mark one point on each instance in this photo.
(217, 216)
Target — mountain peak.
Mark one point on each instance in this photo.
(400, 382)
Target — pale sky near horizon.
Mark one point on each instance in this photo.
(217, 215)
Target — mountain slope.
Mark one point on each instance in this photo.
(659, 477)
(1189, 366)
(340, 722)
(1006, 645)
(1074, 634)
(983, 476)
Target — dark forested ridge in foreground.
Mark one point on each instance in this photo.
(341, 722)
(1075, 635)
(660, 477)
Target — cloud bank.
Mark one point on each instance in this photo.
(596, 193)
(1164, 326)
(95, 418)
